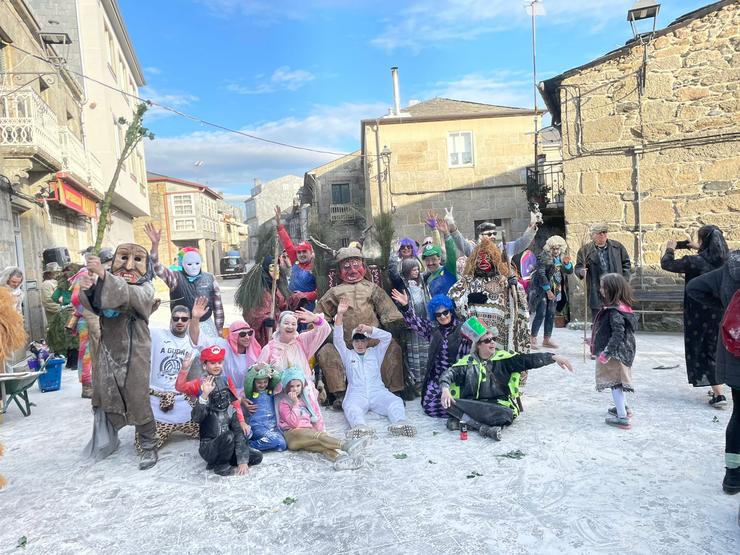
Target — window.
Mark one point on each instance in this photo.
(110, 49)
(340, 193)
(185, 224)
(344, 242)
(460, 148)
(182, 205)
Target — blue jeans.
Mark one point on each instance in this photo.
(545, 312)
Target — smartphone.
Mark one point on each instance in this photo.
(682, 245)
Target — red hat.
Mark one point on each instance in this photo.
(304, 246)
(214, 353)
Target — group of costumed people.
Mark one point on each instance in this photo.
(453, 328)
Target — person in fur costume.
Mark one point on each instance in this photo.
(254, 298)
(489, 290)
(12, 338)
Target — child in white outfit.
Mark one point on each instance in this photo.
(365, 388)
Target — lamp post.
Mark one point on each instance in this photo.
(535, 8)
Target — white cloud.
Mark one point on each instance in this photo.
(172, 99)
(283, 78)
(433, 21)
(152, 70)
(231, 162)
(502, 87)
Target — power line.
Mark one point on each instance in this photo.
(190, 116)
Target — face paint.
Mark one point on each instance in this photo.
(191, 263)
(351, 270)
(130, 262)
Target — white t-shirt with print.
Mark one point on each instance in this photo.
(168, 352)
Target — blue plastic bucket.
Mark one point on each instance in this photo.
(51, 380)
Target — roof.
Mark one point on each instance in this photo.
(440, 109)
(440, 106)
(154, 177)
(124, 40)
(549, 89)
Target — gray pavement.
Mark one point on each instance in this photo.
(582, 487)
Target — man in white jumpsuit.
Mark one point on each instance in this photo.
(365, 388)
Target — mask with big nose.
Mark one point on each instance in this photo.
(130, 262)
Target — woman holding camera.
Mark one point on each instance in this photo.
(700, 322)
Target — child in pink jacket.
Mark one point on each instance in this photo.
(299, 419)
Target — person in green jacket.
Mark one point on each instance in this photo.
(481, 389)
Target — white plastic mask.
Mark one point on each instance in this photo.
(191, 263)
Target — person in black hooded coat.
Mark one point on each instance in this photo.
(700, 322)
(717, 288)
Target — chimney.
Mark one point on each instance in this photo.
(396, 93)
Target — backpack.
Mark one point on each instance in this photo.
(730, 327)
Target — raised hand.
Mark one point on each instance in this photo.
(432, 218)
(187, 362)
(443, 227)
(153, 234)
(449, 218)
(306, 316)
(94, 266)
(85, 281)
(208, 385)
(364, 329)
(200, 307)
(400, 298)
(278, 216)
(343, 305)
(671, 244)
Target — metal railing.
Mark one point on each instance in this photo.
(27, 121)
(96, 174)
(341, 213)
(550, 175)
(73, 154)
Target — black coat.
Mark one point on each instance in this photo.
(614, 332)
(588, 258)
(716, 289)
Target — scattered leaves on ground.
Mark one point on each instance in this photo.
(516, 454)
(430, 461)
(474, 474)
(22, 541)
(663, 367)
(400, 455)
(435, 433)
(715, 419)
(289, 500)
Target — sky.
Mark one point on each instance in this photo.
(305, 72)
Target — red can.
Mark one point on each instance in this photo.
(463, 431)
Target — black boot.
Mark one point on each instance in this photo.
(731, 483)
(224, 469)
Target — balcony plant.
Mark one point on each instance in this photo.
(537, 190)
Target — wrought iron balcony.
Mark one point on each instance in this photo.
(74, 157)
(546, 184)
(28, 126)
(341, 213)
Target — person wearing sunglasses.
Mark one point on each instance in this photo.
(172, 351)
(446, 345)
(241, 347)
(486, 385)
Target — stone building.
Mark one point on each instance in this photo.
(48, 188)
(445, 152)
(187, 214)
(336, 193)
(259, 207)
(650, 138)
(101, 49)
(233, 233)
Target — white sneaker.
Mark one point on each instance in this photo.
(402, 429)
(352, 446)
(345, 462)
(359, 431)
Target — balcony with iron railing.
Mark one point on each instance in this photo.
(341, 213)
(29, 127)
(546, 185)
(74, 156)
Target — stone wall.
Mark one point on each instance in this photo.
(664, 157)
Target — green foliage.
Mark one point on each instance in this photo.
(59, 339)
(289, 500)
(135, 133)
(400, 456)
(385, 232)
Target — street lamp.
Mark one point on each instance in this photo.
(642, 9)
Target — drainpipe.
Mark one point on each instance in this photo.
(636, 154)
(377, 162)
(396, 92)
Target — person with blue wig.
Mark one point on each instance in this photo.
(446, 345)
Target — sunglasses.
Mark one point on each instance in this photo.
(442, 314)
(245, 333)
(486, 341)
(488, 233)
(180, 318)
